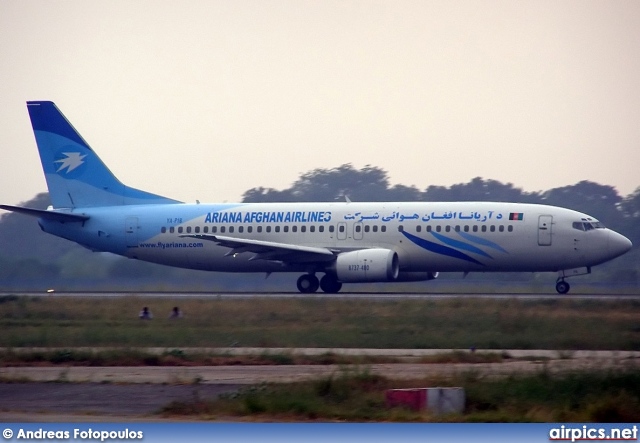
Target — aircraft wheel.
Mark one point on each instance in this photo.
(562, 287)
(308, 283)
(330, 284)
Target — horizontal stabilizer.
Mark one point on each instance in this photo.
(49, 215)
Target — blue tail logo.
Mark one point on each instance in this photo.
(68, 162)
(76, 177)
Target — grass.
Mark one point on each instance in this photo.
(52, 321)
(357, 395)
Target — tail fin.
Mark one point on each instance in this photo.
(76, 177)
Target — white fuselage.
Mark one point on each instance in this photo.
(427, 237)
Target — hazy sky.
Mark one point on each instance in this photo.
(207, 99)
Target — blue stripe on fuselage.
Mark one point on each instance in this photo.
(460, 245)
(440, 249)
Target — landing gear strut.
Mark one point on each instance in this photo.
(562, 286)
(308, 283)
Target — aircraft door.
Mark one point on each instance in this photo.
(357, 231)
(131, 231)
(545, 222)
(342, 231)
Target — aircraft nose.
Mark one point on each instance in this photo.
(618, 244)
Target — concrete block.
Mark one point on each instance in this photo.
(434, 400)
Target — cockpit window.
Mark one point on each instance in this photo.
(587, 225)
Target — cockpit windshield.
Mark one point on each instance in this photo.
(587, 225)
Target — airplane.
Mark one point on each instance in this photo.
(348, 242)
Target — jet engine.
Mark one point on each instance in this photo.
(367, 265)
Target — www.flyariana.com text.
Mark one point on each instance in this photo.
(592, 433)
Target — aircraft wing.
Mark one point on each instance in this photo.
(267, 250)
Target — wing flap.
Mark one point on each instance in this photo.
(267, 250)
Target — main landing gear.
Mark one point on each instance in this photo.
(309, 283)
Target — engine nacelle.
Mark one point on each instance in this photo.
(367, 265)
(417, 276)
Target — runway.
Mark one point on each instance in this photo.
(338, 296)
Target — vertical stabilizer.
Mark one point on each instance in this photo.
(76, 177)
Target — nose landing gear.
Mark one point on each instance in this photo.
(562, 286)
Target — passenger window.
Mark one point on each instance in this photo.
(510, 228)
(286, 229)
(294, 228)
(312, 228)
(400, 228)
(303, 229)
(214, 229)
(268, 228)
(457, 228)
(259, 229)
(375, 228)
(188, 229)
(332, 228)
(180, 230)
(383, 229)
(501, 228)
(428, 228)
(492, 228)
(197, 229)
(230, 229)
(320, 228)
(222, 229)
(438, 228)
(475, 228)
(418, 228)
(249, 229)
(358, 228)
(277, 228)
(240, 229)
(205, 229)
(466, 228)
(484, 228)
(341, 228)
(163, 229)
(172, 229)
(367, 228)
